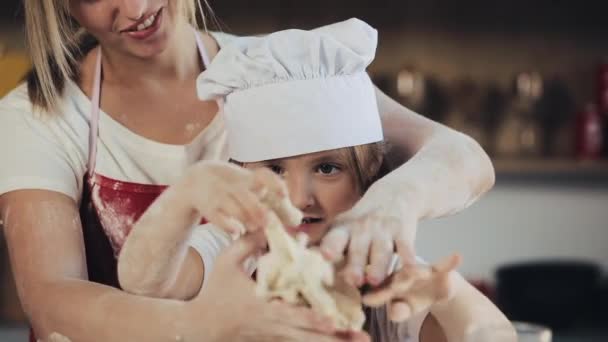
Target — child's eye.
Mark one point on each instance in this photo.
(328, 169)
(276, 169)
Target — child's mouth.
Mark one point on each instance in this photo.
(311, 220)
(307, 223)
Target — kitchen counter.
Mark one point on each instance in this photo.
(561, 172)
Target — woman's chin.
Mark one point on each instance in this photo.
(148, 50)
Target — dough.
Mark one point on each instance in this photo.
(296, 274)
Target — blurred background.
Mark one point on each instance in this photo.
(528, 80)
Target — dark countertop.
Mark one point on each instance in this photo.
(19, 333)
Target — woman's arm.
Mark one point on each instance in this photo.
(156, 259)
(44, 238)
(442, 170)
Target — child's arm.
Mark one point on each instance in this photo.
(458, 312)
(469, 316)
(206, 241)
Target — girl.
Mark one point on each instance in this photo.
(328, 158)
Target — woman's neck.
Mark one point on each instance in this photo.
(179, 61)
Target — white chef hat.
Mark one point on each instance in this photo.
(295, 92)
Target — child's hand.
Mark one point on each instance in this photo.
(414, 288)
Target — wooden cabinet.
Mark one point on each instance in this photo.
(14, 65)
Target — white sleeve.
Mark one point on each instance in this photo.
(40, 150)
(208, 241)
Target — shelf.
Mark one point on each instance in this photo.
(556, 171)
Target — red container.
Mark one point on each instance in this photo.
(588, 133)
(602, 101)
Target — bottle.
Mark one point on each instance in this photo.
(602, 102)
(520, 134)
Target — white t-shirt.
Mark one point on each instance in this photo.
(50, 151)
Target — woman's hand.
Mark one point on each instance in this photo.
(229, 196)
(414, 289)
(155, 259)
(441, 172)
(381, 223)
(228, 303)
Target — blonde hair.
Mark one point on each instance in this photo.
(367, 163)
(56, 43)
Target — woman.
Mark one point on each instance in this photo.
(150, 62)
(329, 158)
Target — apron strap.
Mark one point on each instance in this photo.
(201, 48)
(94, 120)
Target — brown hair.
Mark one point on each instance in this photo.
(56, 44)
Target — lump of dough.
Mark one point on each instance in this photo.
(299, 275)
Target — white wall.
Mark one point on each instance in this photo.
(520, 222)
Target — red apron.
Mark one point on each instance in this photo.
(110, 207)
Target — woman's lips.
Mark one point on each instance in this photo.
(148, 31)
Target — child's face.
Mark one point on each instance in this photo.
(320, 184)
